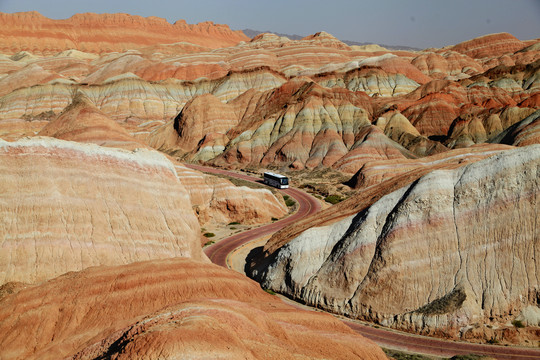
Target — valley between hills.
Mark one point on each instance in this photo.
(126, 146)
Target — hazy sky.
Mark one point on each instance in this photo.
(418, 23)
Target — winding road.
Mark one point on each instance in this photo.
(384, 337)
(218, 252)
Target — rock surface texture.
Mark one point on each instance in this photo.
(82, 122)
(217, 201)
(175, 308)
(436, 149)
(451, 250)
(214, 200)
(67, 206)
(95, 33)
(268, 101)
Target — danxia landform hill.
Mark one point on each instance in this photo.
(450, 252)
(102, 221)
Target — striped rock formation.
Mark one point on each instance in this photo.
(216, 201)
(141, 106)
(372, 79)
(441, 255)
(67, 206)
(99, 33)
(175, 308)
(424, 102)
(83, 122)
(523, 133)
(434, 107)
(300, 124)
(142, 88)
(398, 128)
(490, 46)
(378, 171)
(205, 93)
(475, 130)
(447, 65)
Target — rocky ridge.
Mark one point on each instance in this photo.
(99, 33)
(300, 124)
(448, 98)
(404, 122)
(215, 201)
(477, 266)
(166, 309)
(68, 206)
(376, 172)
(490, 45)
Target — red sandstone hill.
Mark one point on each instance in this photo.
(82, 122)
(390, 116)
(423, 103)
(169, 309)
(490, 45)
(101, 33)
(214, 200)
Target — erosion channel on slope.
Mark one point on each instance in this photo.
(221, 252)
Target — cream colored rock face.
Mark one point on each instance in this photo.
(66, 206)
(467, 236)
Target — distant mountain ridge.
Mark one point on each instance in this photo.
(100, 33)
(252, 33)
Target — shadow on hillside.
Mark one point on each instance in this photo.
(253, 254)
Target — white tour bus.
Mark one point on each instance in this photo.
(276, 180)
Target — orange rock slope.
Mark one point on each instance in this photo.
(100, 33)
(490, 46)
(166, 309)
(422, 103)
(68, 205)
(215, 201)
(405, 122)
(274, 102)
(300, 124)
(82, 122)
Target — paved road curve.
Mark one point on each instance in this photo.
(218, 252)
(383, 337)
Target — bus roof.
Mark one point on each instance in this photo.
(276, 175)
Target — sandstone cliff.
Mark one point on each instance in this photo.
(441, 255)
(99, 33)
(83, 122)
(449, 98)
(214, 200)
(490, 45)
(433, 243)
(67, 206)
(300, 125)
(523, 133)
(217, 201)
(166, 309)
(376, 172)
